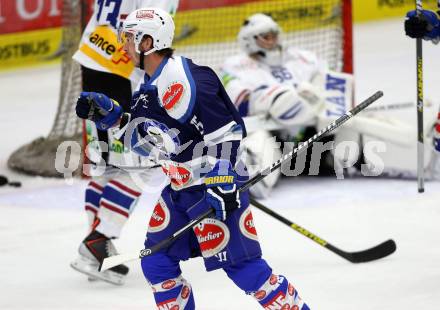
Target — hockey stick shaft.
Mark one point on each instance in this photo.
(118, 259)
(115, 260)
(384, 249)
(419, 87)
(304, 145)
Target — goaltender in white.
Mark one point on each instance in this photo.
(285, 89)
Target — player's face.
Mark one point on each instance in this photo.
(268, 40)
(127, 39)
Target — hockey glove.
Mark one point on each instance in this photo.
(426, 26)
(99, 108)
(222, 191)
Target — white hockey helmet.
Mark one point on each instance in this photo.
(154, 22)
(254, 26)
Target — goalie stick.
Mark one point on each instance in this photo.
(115, 260)
(377, 252)
(394, 131)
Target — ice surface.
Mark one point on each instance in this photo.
(42, 223)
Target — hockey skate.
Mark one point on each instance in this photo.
(92, 252)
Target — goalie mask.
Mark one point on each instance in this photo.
(260, 35)
(154, 22)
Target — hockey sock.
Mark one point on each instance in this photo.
(116, 204)
(170, 290)
(93, 195)
(174, 294)
(278, 294)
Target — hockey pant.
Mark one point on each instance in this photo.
(231, 245)
(109, 201)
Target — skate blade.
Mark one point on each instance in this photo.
(90, 268)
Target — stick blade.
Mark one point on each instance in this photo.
(116, 260)
(379, 251)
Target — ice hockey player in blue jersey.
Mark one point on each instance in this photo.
(182, 116)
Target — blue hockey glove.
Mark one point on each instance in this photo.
(426, 26)
(222, 193)
(99, 108)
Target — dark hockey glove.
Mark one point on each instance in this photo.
(99, 108)
(222, 190)
(426, 25)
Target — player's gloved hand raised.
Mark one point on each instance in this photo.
(99, 108)
(222, 193)
(426, 25)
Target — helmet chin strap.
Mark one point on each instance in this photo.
(142, 56)
(141, 61)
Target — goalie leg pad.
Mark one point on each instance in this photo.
(170, 289)
(119, 197)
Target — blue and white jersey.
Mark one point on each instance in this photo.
(185, 120)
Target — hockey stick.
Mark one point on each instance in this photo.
(391, 130)
(420, 146)
(115, 260)
(379, 251)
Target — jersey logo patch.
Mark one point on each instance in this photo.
(260, 294)
(247, 226)
(169, 284)
(213, 236)
(160, 218)
(179, 175)
(273, 279)
(173, 94)
(145, 14)
(185, 292)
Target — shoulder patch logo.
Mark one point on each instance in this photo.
(145, 14)
(172, 95)
(247, 226)
(160, 218)
(213, 236)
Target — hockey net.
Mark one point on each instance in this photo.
(38, 156)
(206, 32)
